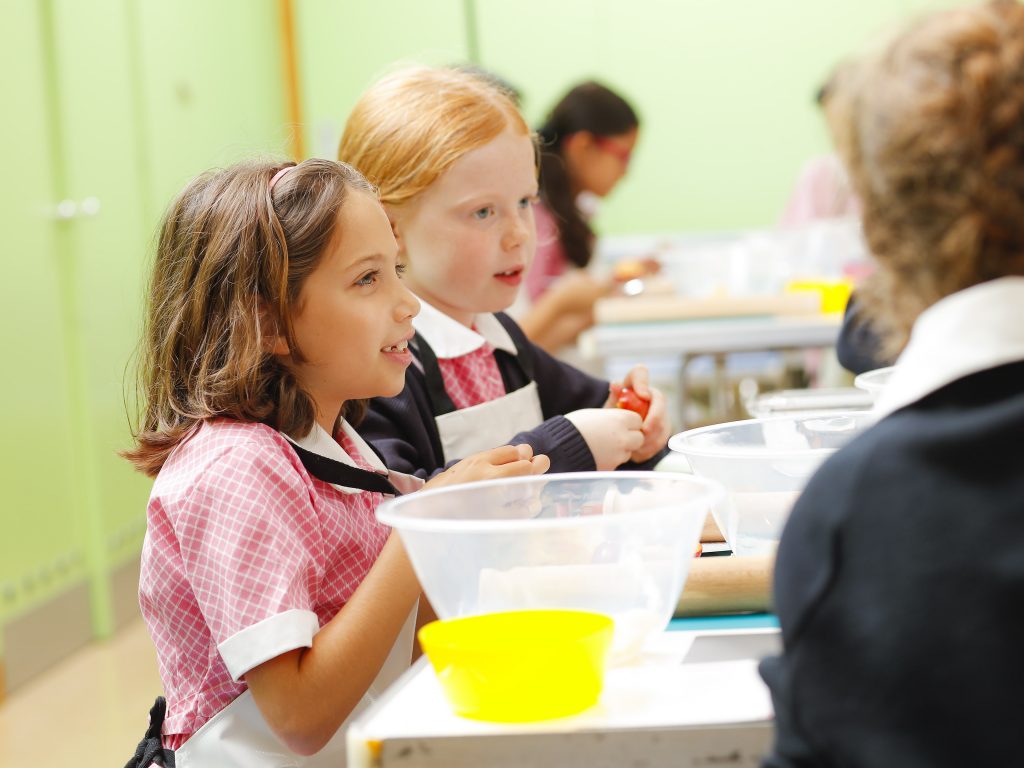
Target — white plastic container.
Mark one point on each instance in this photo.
(809, 402)
(764, 464)
(873, 382)
(618, 543)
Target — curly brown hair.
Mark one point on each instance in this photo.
(931, 129)
(231, 259)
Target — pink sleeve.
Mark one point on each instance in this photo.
(821, 191)
(250, 540)
(550, 262)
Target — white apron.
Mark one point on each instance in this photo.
(480, 427)
(488, 425)
(239, 737)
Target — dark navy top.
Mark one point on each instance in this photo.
(899, 586)
(403, 429)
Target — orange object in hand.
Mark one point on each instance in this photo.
(631, 401)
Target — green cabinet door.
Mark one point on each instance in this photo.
(211, 85)
(41, 545)
(105, 251)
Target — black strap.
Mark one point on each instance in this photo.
(524, 354)
(150, 750)
(339, 473)
(440, 402)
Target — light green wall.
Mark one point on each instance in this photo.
(344, 46)
(725, 91)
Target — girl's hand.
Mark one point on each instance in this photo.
(656, 429)
(504, 461)
(611, 434)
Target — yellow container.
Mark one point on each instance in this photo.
(834, 293)
(521, 665)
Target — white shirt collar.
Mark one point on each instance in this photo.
(450, 338)
(318, 441)
(975, 329)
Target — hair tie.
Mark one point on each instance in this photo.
(277, 176)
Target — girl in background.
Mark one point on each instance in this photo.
(455, 165)
(585, 147)
(276, 601)
(902, 563)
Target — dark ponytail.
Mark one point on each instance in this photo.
(589, 107)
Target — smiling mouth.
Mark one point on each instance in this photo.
(510, 272)
(401, 346)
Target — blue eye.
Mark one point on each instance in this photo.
(401, 268)
(369, 278)
(483, 213)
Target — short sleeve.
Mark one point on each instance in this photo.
(252, 550)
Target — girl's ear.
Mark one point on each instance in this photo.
(273, 341)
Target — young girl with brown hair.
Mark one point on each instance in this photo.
(276, 601)
(456, 167)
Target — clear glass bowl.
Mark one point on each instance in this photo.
(617, 543)
(763, 465)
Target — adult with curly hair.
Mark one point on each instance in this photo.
(903, 561)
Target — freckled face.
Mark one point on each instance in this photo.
(470, 236)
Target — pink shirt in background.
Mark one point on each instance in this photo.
(550, 262)
(822, 191)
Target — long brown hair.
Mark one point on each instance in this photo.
(231, 259)
(931, 128)
(589, 107)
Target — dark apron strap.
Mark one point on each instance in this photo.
(339, 473)
(524, 355)
(440, 402)
(150, 750)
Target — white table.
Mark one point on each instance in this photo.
(696, 699)
(718, 337)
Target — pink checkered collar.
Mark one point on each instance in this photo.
(450, 338)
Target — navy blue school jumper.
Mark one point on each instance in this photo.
(403, 429)
(899, 586)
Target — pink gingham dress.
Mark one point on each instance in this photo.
(246, 556)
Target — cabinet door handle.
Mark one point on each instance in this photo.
(65, 210)
(68, 209)
(90, 206)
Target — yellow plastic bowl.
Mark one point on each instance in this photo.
(521, 665)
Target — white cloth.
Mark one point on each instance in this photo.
(239, 737)
(975, 329)
(450, 338)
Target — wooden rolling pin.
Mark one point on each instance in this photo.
(727, 585)
(711, 531)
